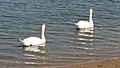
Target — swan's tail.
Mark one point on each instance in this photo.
(75, 23)
(20, 40)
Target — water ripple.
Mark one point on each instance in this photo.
(65, 45)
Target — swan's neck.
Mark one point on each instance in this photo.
(43, 34)
(90, 16)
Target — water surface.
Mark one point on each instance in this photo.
(23, 18)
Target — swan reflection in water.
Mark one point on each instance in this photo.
(35, 55)
(84, 38)
(40, 49)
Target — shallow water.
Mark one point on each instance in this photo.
(23, 18)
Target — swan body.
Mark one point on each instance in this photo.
(30, 41)
(86, 24)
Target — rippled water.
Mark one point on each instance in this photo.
(23, 18)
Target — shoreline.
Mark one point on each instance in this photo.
(112, 63)
(109, 63)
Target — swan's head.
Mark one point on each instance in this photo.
(43, 26)
(91, 10)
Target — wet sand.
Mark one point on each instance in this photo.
(113, 63)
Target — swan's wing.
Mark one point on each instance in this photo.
(82, 24)
(32, 41)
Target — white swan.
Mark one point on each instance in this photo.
(86, 24)
(30, 41)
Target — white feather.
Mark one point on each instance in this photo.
(30, 41)
(86, 24)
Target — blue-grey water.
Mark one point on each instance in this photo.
(23, 18)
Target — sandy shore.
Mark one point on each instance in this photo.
(113, 63)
